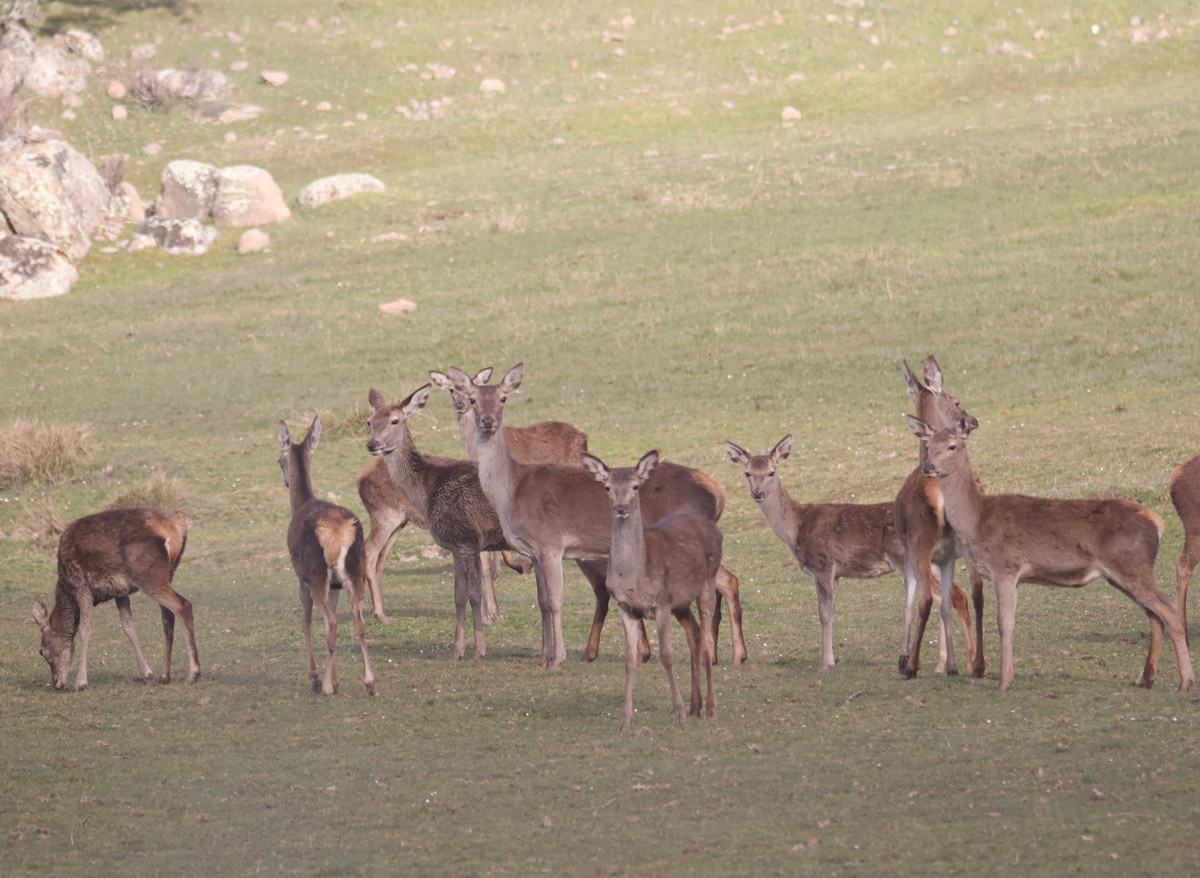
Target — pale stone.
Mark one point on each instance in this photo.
(116, 89)
(492, 86)
(152, 148)
(274, 77)
(179, 237)
(85, 45)
(119, 112)
(238, 66)
(185, 85)
(49, 190)
(400, 306)
(54, 72)
(227, 114)
(790, 114)
(31, 268)
(329, 189)
(252, 241)
(247, 196)
(324, 106)
(188, 190)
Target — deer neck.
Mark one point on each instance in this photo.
(780, 511)
(467, 435)
(964, 499)
(64, 618)
(408, 468)
(497, 469)
(300, 486)
(627, 558)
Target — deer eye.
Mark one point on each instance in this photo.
(472, 400)
(607, 489)
(771, 474)
(503, 400)
(637, 487)
(395, 421)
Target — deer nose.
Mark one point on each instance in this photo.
(621, 510)
(928, 470)
(487, 422)
(757, 496)
(372, 445)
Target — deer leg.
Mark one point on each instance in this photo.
(357, 600)
(728, 587)
(692, 630)
(945, 611)
(547, 616)
(170, 601)
(379, 543)
(707, 602)
(1006, 614)
(554, 596)
(460, 604)
(334, 595)
(168, 626)
(476, 597)
(517, 562)
(490, 571)
(320, 596)
(306, 605)
(925, 570)
(662, 621)
(127, 626)
(1184, 568)
(633, 628)
(85, 635)
(977, 663)
(910, 596)
(596, 573)
(826, 583)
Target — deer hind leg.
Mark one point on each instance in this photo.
(320, 596)
(707, 602)
(826, 583)
(633, 627)
(1163, 615)
(306, 607)
(691, 629)
(174, 604)
(357, 601)
(490, 571)
(127, 626)
(946, 608)
(926, 580)
(662, 621)
(728, 587)
(378, 544)
(977, 663)
(1184, 568)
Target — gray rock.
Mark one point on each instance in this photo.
(329, 189)
(124, 207)
(33, 269)
(227, 114)
(247, 196)
(55, 71)
(252, 241)
(180, 237)
(168, 85)
(84, 44)
(188, 190)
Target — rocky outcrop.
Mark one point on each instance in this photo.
(247, 196)
(33, 269)
(188, 190)
(329, 189)
(180, 237)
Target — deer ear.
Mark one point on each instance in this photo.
(40, 615)
(441, 380)
(513, 379)
(910, 380)
(965, 425)
(314, 434)
(646, 465)
(783, 450)
(459, 379)
(736, 453)
(417, 399)
(596, 467)
(920, 429)
(933, 374)
(375, 399)
(483, 376)
(283, 437)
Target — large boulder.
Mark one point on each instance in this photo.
(329, 189)
(188, 190)
(170, 86)
(247, 196)
(49, 190)
(33, 269)
(56, 71)
(180, 237)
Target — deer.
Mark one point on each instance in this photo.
(1185, 496)
(388, 513)
(659, 571)
(1012, 538)
(448, 498)
(543, 442)
(325, 542)
(553, 511)
(109, 556)
(829, 540)
(929, 541)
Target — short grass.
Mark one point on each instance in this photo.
(1014, 190)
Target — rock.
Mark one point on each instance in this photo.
(16, 51)
(400, 306)
(274, 77)
(188, 190)
(31, 268)
(324, 106)
(84, 44)
(169, 85)
(72, 101)
(790, 114)
(329, 189)
(124, 206)
(247, 196)
(54, 71)
(152, 148)
(238, 66)
(227, 114)
(492, 86)
(119, 112)
(117, 89)
(49, 191)
(179, 237)
(252, 241)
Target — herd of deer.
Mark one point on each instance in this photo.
(644, 535)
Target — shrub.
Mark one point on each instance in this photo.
(30, 452)
(157, 492)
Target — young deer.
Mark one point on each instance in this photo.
(109, 556)
(447, 496)
(658, 571)
(1185, 495)
(388, 513)
(929, 540)
(1010, 538)
(829, 540)
(553, 511)
(326, 545)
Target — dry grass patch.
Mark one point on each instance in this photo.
(157, 492)
(30, 452)
(40, 523)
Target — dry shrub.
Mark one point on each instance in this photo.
(40, 523)
(338, 426)
(30, 452)
(165, 89)
(157, 492)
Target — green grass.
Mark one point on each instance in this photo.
(675, 268)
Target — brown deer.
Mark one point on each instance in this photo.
(657, 571)
(1011, 538)
(552, 511)
(388, 513)
(447, 496)
(929, 540)
(109, 556)
(1185, 495)
(829, 540)
(326, 546)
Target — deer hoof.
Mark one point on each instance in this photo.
(190, 681)
(903, 664)
(977, 673)
(371, 689)
(951, 672)
(382, 619)
(315, 682)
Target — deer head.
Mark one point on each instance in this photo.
(486, 400)
(934, 406)
(943, 447)
(58, 648)
(623, 483)
(389, 423)
(761, 472)
(460, 395)
(294, 459)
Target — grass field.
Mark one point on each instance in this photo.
(1015, 190)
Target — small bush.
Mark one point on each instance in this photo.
(157, 492)
(30, 452)
(40, 523)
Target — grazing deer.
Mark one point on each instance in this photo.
(929, 540)
(326, 546)
(109, 556)
(447, 496)
(544, 442)
(1011, 538)
(388, 513)
(658, 571)
(552, 511)
(829, 540)
(1185, 495)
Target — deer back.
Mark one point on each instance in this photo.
(858, 540)
(1185, 493)
(377, 491)
(110, 552)
(544, 442)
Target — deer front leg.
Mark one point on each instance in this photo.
(977, 663)
(632, 628)
(490, 571)
(1006, 614)
(85, 635)
(547, 617)
(910, 595)
(662, 621)
(826, 582)
(476, 596)
(945, 611)
(692, 630)
(728, 586)
(460, 604)
(127, 626)
(926, 578)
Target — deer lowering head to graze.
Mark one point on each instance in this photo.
(553, 511)
(829, 540)
(1011, 538)
(657, 571)
(1185, 495)
(447, 496)
(326, 546)
(928, 541)
(109, 556)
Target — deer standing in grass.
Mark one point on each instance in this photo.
(829, 540)
(1185, 495)
(1011, 538)
(543, 442)
(447, 496)
(388, 513)
(552, 511)
(929, 540)
(325, 543)
(657, 571)
(109, 556)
